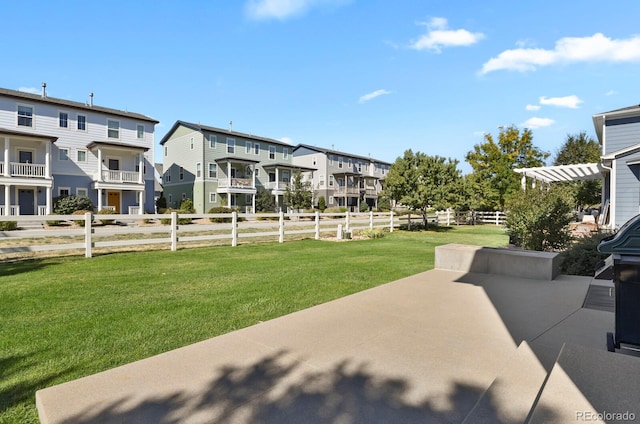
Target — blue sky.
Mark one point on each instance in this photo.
(368, 77)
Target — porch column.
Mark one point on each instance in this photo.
(253, 171)
(253, 203)
(141, 202)
(99, 193)
(47, 160)
(229, 200)
(141, 170)
(7, 200)
(229, 176)
(48, 200)
(6, 156)
(99, 174)
(523, 182)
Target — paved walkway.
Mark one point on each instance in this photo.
(422, 349)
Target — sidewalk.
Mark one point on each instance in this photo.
(422, 349)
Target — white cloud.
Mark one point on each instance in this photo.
(611, 93)
(30, 90)
(479, 133)
(532, 107)
(286, 140)
(373, 95)
(571, 102)
(283, 9)
(596, 48)
(439, 36)
(537, 123)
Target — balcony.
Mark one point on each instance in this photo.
(28, 170)
(277, 185)
(342, 190)
(239, 183)
(109, 176)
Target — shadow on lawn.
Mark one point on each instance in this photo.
(347, 393)
(23, 265)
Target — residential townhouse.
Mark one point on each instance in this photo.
(53, 147)
(344, 179)
(215, 167)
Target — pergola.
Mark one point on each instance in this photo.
(558, 173)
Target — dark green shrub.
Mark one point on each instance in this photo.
(335, 210)
(79, 222)
(67, 205)
(106, 221)
(364, 207)
(161, 204)
(221, 209)
(582, 257)
(8, 225)
(187, 206)
(322, 204)
(265, 201)
(181, 221)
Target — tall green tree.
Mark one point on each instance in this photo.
(265, 201)
(493, 163)
(580, 148)
(420, 182)
(299, 194)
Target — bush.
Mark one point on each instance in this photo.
(582, 257)
(221, 209)
(335, 210)
(79, 222)
(181, 221)
(187, 206)
(53, 223)
(8, 225)
(372, 233)
(322, 204)
(67, 205)
(538, 219)
(106, 221)
(161, 204)
(364, 207)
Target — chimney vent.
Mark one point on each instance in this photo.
(230, 125)
(91, 99)
(44, 89)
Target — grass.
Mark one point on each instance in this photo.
(65, 318)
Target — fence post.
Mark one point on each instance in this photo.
(448, 218)
(391, 222)
(371, 220)
(87, 235)
(281, 228)
(409, 221)
(174, 231)
(234, 228)
(346, 222)
(497, 217)
(317, 225)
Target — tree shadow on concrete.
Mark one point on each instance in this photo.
(273, 390)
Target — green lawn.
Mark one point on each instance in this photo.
(66, 318)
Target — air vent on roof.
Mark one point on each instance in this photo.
(91, 99)
(44, 89)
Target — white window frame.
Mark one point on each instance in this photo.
(167, 177)
(286, 177)
(248, 199)
(84, 122)
(340, 162)
(213, 139)
(321, 181)
(140, 131)
(272, 152)
(331, 181)
(78, 151)
(231, 146)
(117, 130)
(198, 170)
(331, 200)
(330, 159)
(285, 153)
(82, 192)
(31, 117)
(248, 147)
(215, 171)
(61, 189)
(60, 113)
(349, 164)
(256, 148)
(66, 156)
(213, 197)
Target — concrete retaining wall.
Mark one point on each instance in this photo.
(487, 260)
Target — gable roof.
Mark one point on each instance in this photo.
(336, 152)
(20, 95)
(206, 128)
(599, 118)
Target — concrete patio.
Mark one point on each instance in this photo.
(442, 346)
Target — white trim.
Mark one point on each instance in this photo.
(256, 149)
(213, 138)
(68, 118)
(143, 131)
(86, 122)
(209, 170)
(231, 144)
(612, 193)
(119, 128)
(85, 156)
(213, 197)
(551, 174)
(63, 149)
(33, 115)
(64, 188)
(248, 147)
(622, 152)
(84, 190)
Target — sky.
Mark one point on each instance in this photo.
(368, 77)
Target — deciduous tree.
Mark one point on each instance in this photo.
(580, 148)
(299, 194)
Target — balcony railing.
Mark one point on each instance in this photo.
(276, 185)
(31, 170)
(346, 190)
(110, 176)
(14, 210)
(235, 183)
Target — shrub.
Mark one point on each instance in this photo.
(582, 257)
(67, 205)
(161, 204)
(322, 204)
(258, 217)
(106, 221)
(53, 223)
(221, 209)
(8, 225)
(364, 207)
(372, 233)
(187, 206)
(79, 222)
(335, 210)
(538, 219)
(181, 221)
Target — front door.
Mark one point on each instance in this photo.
(113, 199)
(26, 200)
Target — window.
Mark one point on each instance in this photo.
(285, 176)
(82, 192)
(256, 148)
(63, 153)
(25, 116)
(170, 199)
(321, 183)
(82, 123)
(359, 166)
(198, 170)
(248, 147)
(212, 141)
(247, 199)
(272, 152)
(81, 156)
(340, 162)
(330, 159)
(285, 153)
(113, 129)
(330, 180)
(257, 172)
(349, 164)
(63, 119)
(331, 200)
(181, 174)
(184, 196)
(191, 143)
(231, 145)
(213, 170)
(213, 198)
(140, 131)
(167, 177)
(64, 191)
(137, 159)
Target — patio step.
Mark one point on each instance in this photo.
(513, 392)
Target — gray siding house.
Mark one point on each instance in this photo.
(52, 147)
